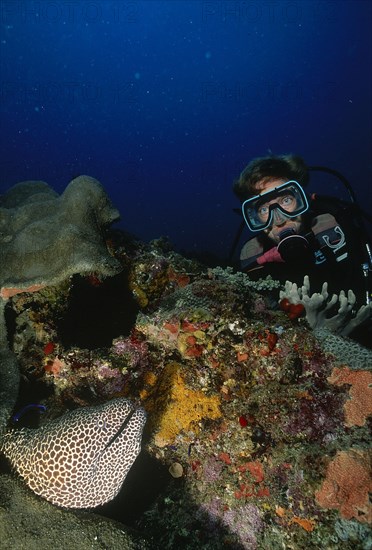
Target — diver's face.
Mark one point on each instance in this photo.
(280, 222)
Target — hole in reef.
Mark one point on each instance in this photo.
(97, 313)
(146, 479)
(10, 322)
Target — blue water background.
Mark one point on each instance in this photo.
(166, 101)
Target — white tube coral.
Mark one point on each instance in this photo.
(318, 305)
(332, 331)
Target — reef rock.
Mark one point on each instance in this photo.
(29, 522)
(44, 239)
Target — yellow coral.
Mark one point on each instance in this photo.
(182, 343)
(174, 407)
(199, 334)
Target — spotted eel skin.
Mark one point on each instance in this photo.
(81, 459)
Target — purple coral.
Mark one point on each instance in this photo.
(213, 512)
(317, 417)
(212, 469)
(133, 350)
(245, 522)
(113, 380)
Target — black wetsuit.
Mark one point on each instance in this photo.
(334, 254)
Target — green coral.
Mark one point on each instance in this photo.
(354, 532)
(240, 279)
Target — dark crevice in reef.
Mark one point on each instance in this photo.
(145, 481)
(97, 312)
(10, 321)
(148, 480)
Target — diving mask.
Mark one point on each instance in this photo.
(288, 200)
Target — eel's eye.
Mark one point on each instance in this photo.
(101, 424)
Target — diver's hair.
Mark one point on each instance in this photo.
(263, 169)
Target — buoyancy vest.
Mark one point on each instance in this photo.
(326, 239)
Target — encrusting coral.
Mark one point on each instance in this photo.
(347, 485)
(359, 405)
(176, 408)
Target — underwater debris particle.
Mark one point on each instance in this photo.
(54, 366)
(272, 339)
(224, 457)
(263, 492)
(172, 327)
(180, 278)
(280, 511)
(294, 311)
(255, 469)
(284, 304)
(188, 327)
(243, 421)
(176, 470)
(195, 464)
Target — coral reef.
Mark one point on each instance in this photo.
(345, 350)
(318, 305)
(157, 271)
(253, 420)
(331, 331)
(45, 238)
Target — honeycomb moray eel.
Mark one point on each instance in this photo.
(81, 459)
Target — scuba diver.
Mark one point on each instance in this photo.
(296, 234)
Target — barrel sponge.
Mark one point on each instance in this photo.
(46, 237)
